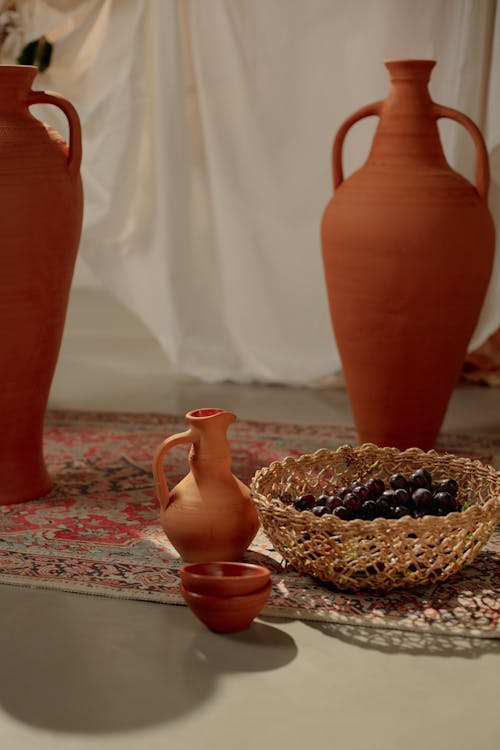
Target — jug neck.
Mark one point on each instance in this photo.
(15, 85)
(407, 131)
(209, 441)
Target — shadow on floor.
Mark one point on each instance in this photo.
(409, 642)
(392, 641)
(73, 663)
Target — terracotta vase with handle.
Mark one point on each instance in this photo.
(408, 248)
(40, 222)
(209, 515)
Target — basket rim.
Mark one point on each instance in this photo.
(484, 511)
(367, 447)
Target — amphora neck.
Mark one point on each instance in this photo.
(209, 429)
(15, 84)
(407, 131)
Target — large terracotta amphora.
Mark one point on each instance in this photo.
(209, 515)
(40, 219)
(408, 249)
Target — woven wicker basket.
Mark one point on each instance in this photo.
(384, 553)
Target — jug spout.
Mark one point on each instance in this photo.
(197, 415)
(209, 427)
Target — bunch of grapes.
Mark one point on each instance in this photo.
(416, 495)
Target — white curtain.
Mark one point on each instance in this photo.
(208, 127)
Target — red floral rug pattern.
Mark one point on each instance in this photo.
(98, 531)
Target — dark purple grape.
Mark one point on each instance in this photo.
(352, 502)
(421, 478)
(369, 509)
(398, 482)
(383, 507)
(402, 497)
(389, 496)
(320, 510)
(300, 505)
(342, 491)
(447, 485)
(446, 501)
(421, 497)
(371, 490)
(334, 501)
(322, 499)
(341, 513)
(307, 500)
(418, 513)
(361, 492)
(400, 511)
(375, 488)
(347, 495)
(432, 508)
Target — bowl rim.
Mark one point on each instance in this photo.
(239, 598)
(258, 571)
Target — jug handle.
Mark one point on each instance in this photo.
(482, 162)
(161, 485)
(75, 130)
(367, 111)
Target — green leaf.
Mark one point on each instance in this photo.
(38, 53)
(27, 55)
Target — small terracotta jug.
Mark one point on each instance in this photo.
(209, 515)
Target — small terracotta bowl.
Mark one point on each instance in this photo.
(224, 578)
(226, 614)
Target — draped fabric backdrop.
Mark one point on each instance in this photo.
(208, 127)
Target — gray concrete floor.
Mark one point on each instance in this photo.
(90, 673)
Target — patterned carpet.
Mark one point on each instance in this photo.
(98, 531)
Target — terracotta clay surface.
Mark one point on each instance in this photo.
(41, 207)
(224, 578)
(408, 249)
(226, 614)
(209, 515)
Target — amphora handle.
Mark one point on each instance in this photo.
(367, 111)
(75, 131)
(161, 485)
(482, 161)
